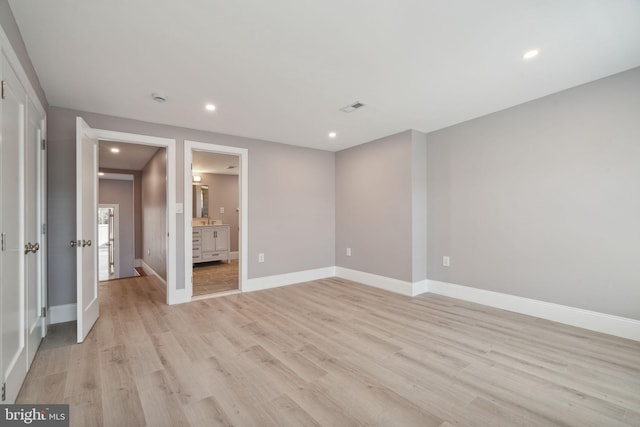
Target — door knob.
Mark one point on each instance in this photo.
(86, 243)
(75, 243)
(31, 247)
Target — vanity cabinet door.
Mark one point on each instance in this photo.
(222, 238)
(208, 242)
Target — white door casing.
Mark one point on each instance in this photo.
(85, 243)
(174, 295)
(33, 232)
(243, 178)
(13, 358)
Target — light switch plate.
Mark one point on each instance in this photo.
(221, 210)
(179, 208)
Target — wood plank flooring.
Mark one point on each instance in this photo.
(330, 353)
(213, 277)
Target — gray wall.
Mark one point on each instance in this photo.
(291, 220)
(381, 207)
(373, 207)
(543, 200)
(137, 206)
(154, 213)
(223, 192)
(120, 192)
(10, 28)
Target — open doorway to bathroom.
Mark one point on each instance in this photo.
(215, 211)
(219, 228)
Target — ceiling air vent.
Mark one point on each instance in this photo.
(352, 107)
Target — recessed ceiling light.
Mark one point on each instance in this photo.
(530, 54)
(115, 150)
(210, 107)
(332, 135)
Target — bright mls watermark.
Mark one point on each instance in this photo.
(34, 415)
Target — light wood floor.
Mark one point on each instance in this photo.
(213, 277)
(330, 353)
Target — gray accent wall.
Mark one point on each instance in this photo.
(154, 213)
(381, 207)
(120, 192)
(137, 206)
(223, 193)
(542, 200)
(291, 199)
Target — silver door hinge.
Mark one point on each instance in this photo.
(4, 391)
(44, 312)
(44, 144)
(44, 228)
(3, 238)
(4, 88)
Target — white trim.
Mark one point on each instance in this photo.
(243, 177)
(137, 262)
(16, 65)
(62, 313)
(387, 283)
(151, 272)
(286, 279)
(592, 320)
(116, 176)
(234, 255)
(173, 294)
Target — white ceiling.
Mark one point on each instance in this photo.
(133, 157)
(280, 70)
(223, 164)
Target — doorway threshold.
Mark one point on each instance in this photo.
(216, 295)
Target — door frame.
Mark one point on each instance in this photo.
(174, 295)
(243, 185)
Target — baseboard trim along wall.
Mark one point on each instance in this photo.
(600, 322)
(234, 255)
(286, 279)
(62, 313)
(151, 272)
(387, 283)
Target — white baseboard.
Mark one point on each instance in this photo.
(62, 313)
(388, 284)
(234, 255)
(151, 272)
(137, 262)
(592, 320)
(278, 280)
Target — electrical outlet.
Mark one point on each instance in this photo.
(348, 251)
(260, 257)
(446, 261)
(221, 210)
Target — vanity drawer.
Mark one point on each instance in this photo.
(196, 257)
(214, 256)
(196, 241)
(196, 233)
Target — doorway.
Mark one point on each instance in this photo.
(215, 219)
(174, 295)
(108, 242)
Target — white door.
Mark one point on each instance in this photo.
(33, 233)
(12, 302)
(86, 228)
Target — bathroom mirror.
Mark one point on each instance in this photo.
(200, 201)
